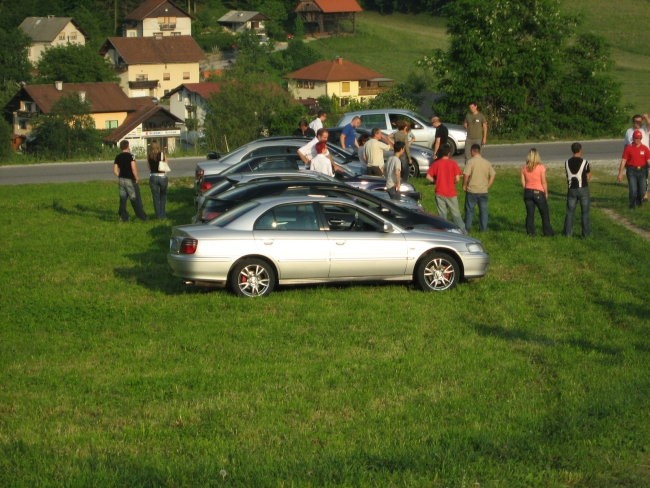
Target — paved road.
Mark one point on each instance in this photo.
(603, 154)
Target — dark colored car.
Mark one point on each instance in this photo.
(291, 162)
(404, 213)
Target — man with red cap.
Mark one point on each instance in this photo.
(635, 160)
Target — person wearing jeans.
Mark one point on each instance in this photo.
(635, 161)
(578, 174)
(126, 171)
(158, 181)
(478, 177)
(533, 180)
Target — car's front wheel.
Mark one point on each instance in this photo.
(437, 271)
(252, 278)
(414, 168)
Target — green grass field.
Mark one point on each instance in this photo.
(114, 374)
(392, 44)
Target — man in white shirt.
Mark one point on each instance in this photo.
(374, 152)
(317, 123)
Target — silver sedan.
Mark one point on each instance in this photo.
(306, 239)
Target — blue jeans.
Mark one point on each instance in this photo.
(637, 184)
(471, 199)
(532, 199)
(573, 196)
(158, 185)
(130, 190)
(450, 205)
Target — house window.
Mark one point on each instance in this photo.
(345, 86)
(180, 96)
(175, 34)
(110, 124)
(166, 76)
(305, 84)
(131, 33)
(73, 37)
(157, 35)
(22, 124)
(141, 77)
(186, 75)
(62, 36)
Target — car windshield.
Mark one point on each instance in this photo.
(233, 214)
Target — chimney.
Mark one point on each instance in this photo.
(58, 85)
(339, 59)
(82, 96)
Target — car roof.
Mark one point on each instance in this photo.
(258, 185)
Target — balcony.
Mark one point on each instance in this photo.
(371, 90)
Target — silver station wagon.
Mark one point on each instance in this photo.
(274, 241)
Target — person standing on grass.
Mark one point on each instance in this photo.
(158, 181)
(639, 122)
(635, 160)
(394, 171)
(445, 173)
(477, 129)
(478, 177)
(404, 135)
(126, 170)
(533, 180)
(578, 175)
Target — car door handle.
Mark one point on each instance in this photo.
(340, 243)
(268, 242)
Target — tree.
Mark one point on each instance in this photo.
(73, 63)
(5, 138)
(511, 57)
(67, 131)
(245, 110)
(13, 56)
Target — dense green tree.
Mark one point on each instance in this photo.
(245, 110)
(512, 57)
(73, 63)
(13, 56)
(5, 139)
(67, 131)
(297, 55)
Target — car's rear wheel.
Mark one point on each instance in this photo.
(437, 271)
(252, 278)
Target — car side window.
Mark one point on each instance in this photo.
(272, 151)
(341, 217)
(370, 121)
(292, 217)
(395, 117)
(289, 163)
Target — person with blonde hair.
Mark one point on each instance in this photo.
(533, 180)
(158, 181)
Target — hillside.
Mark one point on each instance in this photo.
(392, 44)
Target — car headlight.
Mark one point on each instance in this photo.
(475, 247)
(406, 187)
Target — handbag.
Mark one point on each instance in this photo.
(163, 165)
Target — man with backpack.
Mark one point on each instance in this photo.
(578, 175)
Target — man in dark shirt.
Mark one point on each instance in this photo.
(126, 171)
(578, 175)
(303, 130)
(442, 136)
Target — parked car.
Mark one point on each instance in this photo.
(421, 157)
(386, 119)
(268, 146)
(290, 240)
(292, 162)
(379, 201)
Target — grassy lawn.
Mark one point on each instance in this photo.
(114, 374)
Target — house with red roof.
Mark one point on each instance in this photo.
(140, 120)
(157, 18)
(150, 66)
(326, 16)
(337, 77)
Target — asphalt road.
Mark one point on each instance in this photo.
(602, 154)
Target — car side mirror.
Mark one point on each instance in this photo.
(214, 155)
(388, 228)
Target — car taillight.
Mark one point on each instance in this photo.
(208, 215)
(205, 186)
(188, 246)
